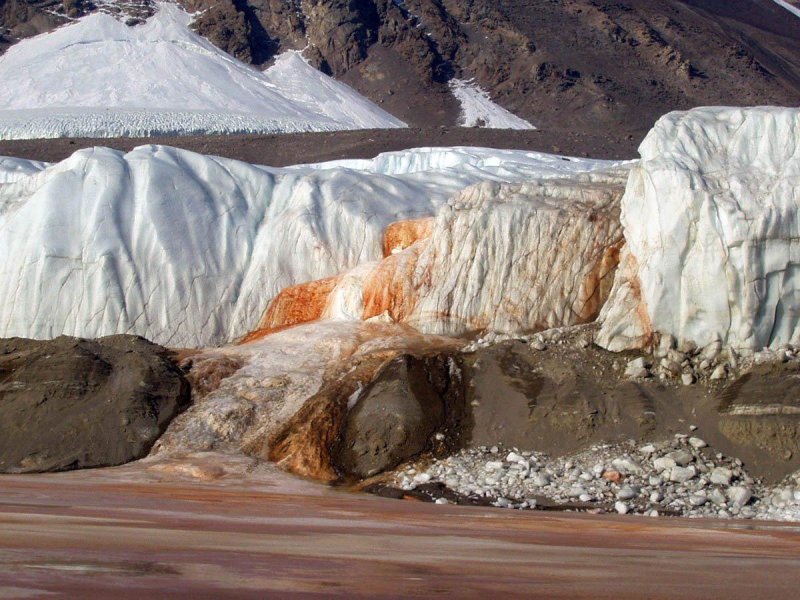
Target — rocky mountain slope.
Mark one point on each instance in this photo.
(589, 65)
(585, 64)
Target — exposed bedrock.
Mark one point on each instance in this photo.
(499, 257)
(711, 221)
(412, 404)
(71, 403)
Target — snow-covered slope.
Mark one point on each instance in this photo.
(100, 77)
(712, 222)
(478, 109)
(188, 250)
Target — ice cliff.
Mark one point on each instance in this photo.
(187, 250)
(711, 217)
(499, 257)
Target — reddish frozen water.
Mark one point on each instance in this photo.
(116, 534)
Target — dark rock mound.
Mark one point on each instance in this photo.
(70, 403)
(400, 415)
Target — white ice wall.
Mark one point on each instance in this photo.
(187, 250)
(711, 216)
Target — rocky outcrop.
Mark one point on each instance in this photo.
(622, 66)
(710, 216)
(410, 405)
(503, 258)
(70, 403)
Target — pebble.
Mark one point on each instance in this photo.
(682, 474)
(627, 492)
(621, 508)
(681, 457)
(697, 443)
(513, 457)
(637, 369)
(626, 465)
(663, 463)
(739, 495)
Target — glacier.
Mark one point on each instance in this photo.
(711, 219)
(506, 258)
(188, 250)
(99, 77)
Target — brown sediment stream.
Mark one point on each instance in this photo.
(138, 531)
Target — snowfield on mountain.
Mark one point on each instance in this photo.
(101, 78)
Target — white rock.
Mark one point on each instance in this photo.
(697, 443)
(718, 373)
(627, 492)
(721, 476)
(715, 192)
(663, 463)
(687, 379)
(441, 501)
(681, 457)
(621, 508)
(626, 465)
(513, 457)
(636, 369)
(697, 500)
(682, 474)
(717, 497)
(422, 478)
(739, 495)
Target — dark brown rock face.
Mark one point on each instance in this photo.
(70, 403)
(398, 416)
(585, 65)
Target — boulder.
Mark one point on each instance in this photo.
(71, 403)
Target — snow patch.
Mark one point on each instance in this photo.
(13, 169)
(478, 110)
(790, 7)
